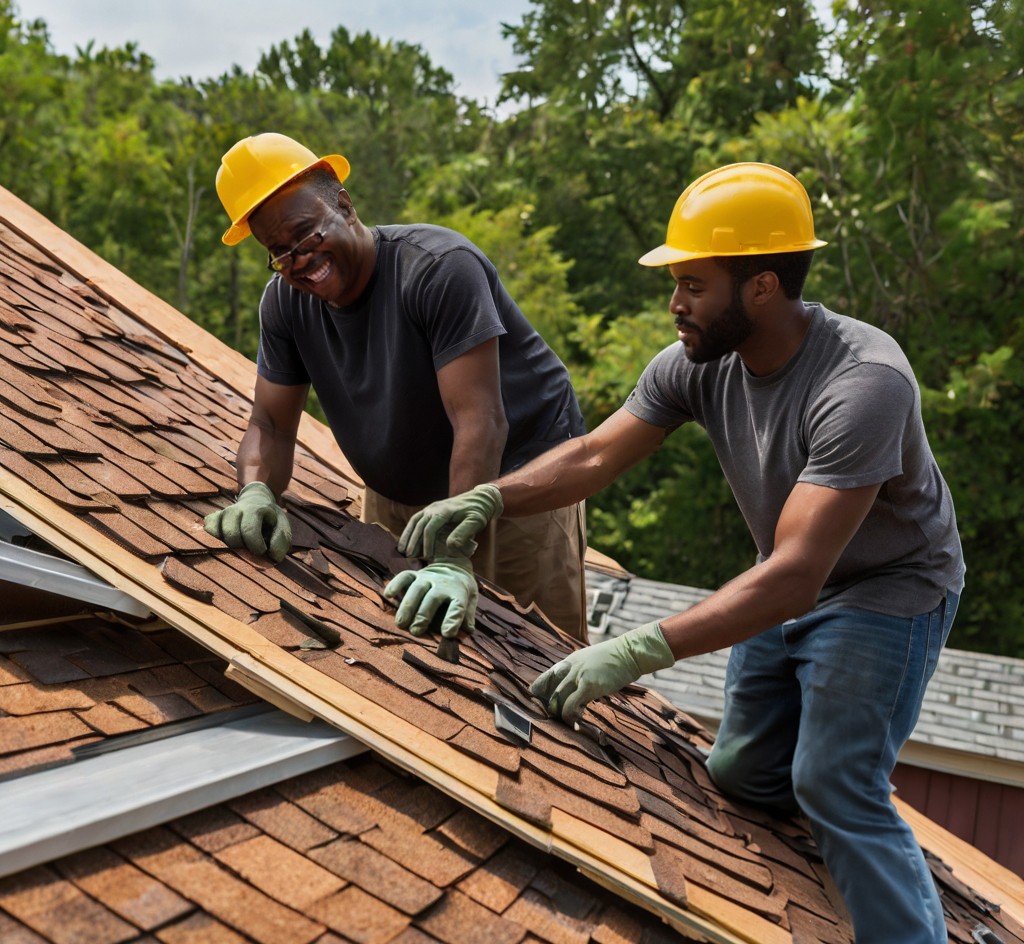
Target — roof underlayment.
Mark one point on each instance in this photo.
(119, 424)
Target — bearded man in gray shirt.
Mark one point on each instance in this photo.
(836, 630)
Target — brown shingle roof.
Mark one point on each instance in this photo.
(69, 684)
(626, 799)
(234, 869)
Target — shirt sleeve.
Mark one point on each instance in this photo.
(277, 358)
(456, 306)
(858, 428)
(660, 396)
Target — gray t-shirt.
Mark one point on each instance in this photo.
(433, 296)
(845, 411)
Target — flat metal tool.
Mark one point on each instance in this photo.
(513, 723)
(600, 743)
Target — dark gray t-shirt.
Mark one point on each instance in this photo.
(845, 411)
(433, 296)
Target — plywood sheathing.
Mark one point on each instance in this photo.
(627, 799)
(354, 852)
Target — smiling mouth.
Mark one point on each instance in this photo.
(318, 274)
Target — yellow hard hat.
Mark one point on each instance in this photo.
(259, 166)
(738, 210)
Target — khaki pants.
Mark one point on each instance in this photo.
(537, 558)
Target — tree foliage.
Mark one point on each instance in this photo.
(901, 117)
(623, 101)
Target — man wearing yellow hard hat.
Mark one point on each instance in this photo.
(430, 376)
(836, 630)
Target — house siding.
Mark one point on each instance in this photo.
(989, 816)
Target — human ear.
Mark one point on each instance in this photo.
(765, 287)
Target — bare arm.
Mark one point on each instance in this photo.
(577, 468)
(471, 392)
(267, 449)
(814, 528)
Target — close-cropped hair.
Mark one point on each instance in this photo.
(324, 183)
(791, 268)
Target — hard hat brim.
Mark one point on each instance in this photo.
(239, 229)
(667, 255)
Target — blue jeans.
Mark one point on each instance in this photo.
(816, 711)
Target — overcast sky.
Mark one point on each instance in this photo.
(204, 38)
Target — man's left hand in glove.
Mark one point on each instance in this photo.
(447, 582)
(599, 670)
(449, 526)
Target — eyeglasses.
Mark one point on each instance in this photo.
(287, 259)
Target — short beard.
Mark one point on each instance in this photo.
(726, 333)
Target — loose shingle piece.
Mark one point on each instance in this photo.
(142, 431)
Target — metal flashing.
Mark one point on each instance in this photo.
(29, 568)
(76, 806)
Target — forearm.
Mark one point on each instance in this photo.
(766, 595)
(580, 467)
(265, 456)
(477, 448)
(564, 475)
(814, 528)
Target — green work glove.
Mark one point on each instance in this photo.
(255, 521)
(445, 583)
(599, 670)
(466, 514)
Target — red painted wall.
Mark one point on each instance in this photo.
(990, 816)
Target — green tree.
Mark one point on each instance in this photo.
(32, 82)
(384, 104)
(974, 412)
(623, 99)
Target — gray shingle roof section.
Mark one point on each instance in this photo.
(974, 704)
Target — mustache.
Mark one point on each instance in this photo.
(683, 323)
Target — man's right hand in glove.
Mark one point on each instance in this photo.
(255, 521)
(586, 674)
(466, 514)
